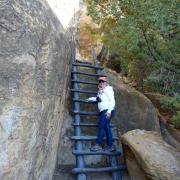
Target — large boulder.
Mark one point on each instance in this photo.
(133, 109)
(34, 67)
(148, 156)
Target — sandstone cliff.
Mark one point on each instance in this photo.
(34, 67)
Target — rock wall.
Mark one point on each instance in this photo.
(34, 71)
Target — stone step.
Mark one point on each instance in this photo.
(88, 152)
(84, 82)
(87, 65)
(86, 113)
(98, 170)
(84, 73)
(88, 138)
(84, 91)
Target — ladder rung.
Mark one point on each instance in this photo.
(98, 170)
(83, 73)
(89, 125)
(85, 82)
(87, 65)
(88, 138)
(86, 113)
(116, 153)
(84, 101)
(83, 91)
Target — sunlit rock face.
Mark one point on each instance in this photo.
(65, 10)
(34, 69)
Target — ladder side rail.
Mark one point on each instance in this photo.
(116, 175)
(77, 130)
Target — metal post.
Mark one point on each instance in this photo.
(117, 175)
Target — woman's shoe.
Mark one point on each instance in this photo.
(110, 148)
(96, 148)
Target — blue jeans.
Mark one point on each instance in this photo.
(104, 128)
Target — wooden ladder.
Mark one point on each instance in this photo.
(81, 170)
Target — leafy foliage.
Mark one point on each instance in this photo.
(176, 120)
(145, 36)
(173, 103)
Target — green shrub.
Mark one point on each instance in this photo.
(172, 103)
(144, 35)
(176, 120)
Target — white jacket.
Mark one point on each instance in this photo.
(107, 99)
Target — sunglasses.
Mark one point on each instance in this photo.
(102, 81)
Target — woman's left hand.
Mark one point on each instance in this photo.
(108, 115)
